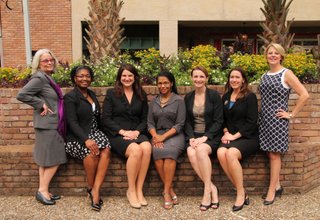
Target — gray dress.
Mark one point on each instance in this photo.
(163, 119)
(49, 145)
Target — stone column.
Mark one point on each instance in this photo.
(168, 37)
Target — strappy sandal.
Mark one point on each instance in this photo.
(215, 205)
(175, 200)
(167, 205)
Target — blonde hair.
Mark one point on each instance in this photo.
(36, 59)
(278, 48)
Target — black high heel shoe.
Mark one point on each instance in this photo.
(245, 202)
(278, 193)
(266, 202)
(89, 193)
(94, 206)
(215, 205)
(40, 197)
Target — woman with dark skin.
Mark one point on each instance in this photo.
(166, 119)
(124, 119)
(84, 139)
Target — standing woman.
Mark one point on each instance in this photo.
(203, 132)
(274, 116)
(166, 119)
(124, 119)
(45, 96)
(84, 140)
(240, 139)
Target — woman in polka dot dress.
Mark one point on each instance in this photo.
(274, 115)
(84, 139)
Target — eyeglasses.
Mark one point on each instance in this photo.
(83, 76)
(47, 61)
(164, 83)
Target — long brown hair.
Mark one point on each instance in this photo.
(244, 90)
(137, 88)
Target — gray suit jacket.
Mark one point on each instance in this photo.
(37, 92)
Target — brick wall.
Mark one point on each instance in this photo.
(48, 30)
(300, 167)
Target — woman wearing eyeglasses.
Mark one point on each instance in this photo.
(84, 140)
(46, 98)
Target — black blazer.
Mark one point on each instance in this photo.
(118, 114)
(79, 115)
(213, 115)
(243, 116)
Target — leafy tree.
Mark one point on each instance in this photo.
(104, 33)
(275, 27)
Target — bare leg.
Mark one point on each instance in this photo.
(233, 156)
(275, 167)
(45, 176)
(90, 164)
(134, 154)
(222, 157)
(145, 162)
(104, 159)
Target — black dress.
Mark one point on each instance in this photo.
(242, 117)
(119, 114)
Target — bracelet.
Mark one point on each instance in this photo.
(290, 115)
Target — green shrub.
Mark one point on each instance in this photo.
(150, 62)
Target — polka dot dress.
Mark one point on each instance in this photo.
(273, 132)
(80, 151)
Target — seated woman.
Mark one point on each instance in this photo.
(203, 132)
(240, 139)
(166, 119)
(84, 139)
(124, 119)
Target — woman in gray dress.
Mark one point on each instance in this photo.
(166, 119)
(45, 96)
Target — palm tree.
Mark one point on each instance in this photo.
(276, 27)
(104, 32)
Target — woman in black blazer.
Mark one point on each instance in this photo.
(124, 119)
(84, 139)
(240, 139)
(203, 132)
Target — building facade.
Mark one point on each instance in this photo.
(167, 25)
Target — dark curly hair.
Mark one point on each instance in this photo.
(76, 69)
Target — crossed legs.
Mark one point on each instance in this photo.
(201, 163)
(96, 168)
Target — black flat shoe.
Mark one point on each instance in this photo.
(245, 202)
(278, 193)
(55, 197)
(44, 200)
